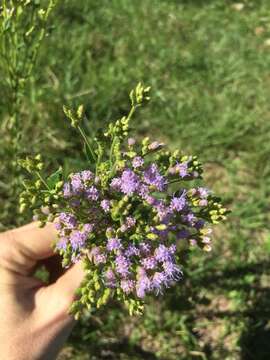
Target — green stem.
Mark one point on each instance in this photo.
(42, 34)
(100, 154)
(42, 180)
(174, 181)
(132, 111)
(81, 131)
(111, 150)
(151, 152)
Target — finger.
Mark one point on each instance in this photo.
(58, 297)
(28, 226)
(33, 241)
(69, 282)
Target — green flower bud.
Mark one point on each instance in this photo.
(161, 227)
(80, 111)
(152, 236)
(38, 184)
(22, 207)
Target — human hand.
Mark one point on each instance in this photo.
(34, 316)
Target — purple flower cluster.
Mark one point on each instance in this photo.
(155, 270)
(71, 234)
(129, 229)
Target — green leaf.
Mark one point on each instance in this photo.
(53, 179)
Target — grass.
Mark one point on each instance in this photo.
(208, 65)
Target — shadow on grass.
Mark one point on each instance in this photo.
(254, 341)
(115, 350)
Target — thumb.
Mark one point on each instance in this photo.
(60, 295)
(69, 281)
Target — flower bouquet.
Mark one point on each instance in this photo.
(128, 216)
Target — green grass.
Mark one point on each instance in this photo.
(208, 65)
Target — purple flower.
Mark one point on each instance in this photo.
(97, 256)
(76, 183)
(129, 182)
(159, 280)
(75, 258)
(143, 190)
(127, 285)
(61, 243)
(164, 212)
(199, 224)
(193, 242)
(130, 221)
(182, 169)
(149, 262)
(58, 226)
(140, 291)
(137, 162)
(100, 259)
(67, 190)
(154, 178)
(172, 249)
(178, 203)
(87, 175)
(114, 244)
(132, 250)
(88, 228)
(105, 204)
(151, 200)
(78, 239)
(110, 278)
(92, 193)
(183, 234)
(145, 247)
(162, 253)
(171, 270)
(141, 271)
(68, 220)
(203, 192)
(75, 202)
(143, 285)
(206, 240)
(116, 184)
(190, 218)
(122, 265)
(203, 202)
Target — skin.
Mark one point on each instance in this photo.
(34, 319)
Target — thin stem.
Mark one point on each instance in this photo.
(152, 151)
(87, 142)
(111, 150)
(174, 181)
(132, 111)
(99, 157)
(42, 180)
